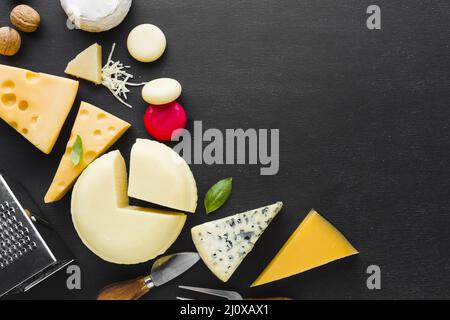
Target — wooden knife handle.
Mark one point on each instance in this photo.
(125, 290)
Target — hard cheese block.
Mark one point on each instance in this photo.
(223, 244)
(98, 130)
(87, 65)
(108, 226)
(160, 176)
(315, 242)
(35, 104)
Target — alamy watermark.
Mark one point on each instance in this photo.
(374, 280)
(374, 20)
(73, 18)
(233, 146)
(73, 281)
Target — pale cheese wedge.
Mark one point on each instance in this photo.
(108, 226)
(87, 65)
(223, 244)
(35, 104)
(160, 176)
(314, 243)
(98, 130)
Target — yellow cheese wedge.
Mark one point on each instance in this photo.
(35, 104)
(108, 226)
(315, 242)
(160, 176)
(98, 130)
(87, 65)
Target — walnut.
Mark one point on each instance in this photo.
(25, 18)
(10, 41)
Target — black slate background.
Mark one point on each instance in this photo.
(364, 120)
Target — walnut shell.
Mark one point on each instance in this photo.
(10, 41)
(25, 18)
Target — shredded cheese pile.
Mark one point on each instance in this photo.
(116, 78)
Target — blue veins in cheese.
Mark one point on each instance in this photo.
(223, 244)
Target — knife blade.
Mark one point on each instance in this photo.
(169, 267)
(163, 270)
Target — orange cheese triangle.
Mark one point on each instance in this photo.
(35, 104)
(314, 243)
(98, 130)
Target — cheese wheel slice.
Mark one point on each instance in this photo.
(314, 243)
(223, 244)
(98, 130)
(87, 65)
(160, 176)
(35, 104)
(108, 226)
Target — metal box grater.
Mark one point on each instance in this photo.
(30, 250)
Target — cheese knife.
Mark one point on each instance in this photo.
(229, 295)
(163, 270)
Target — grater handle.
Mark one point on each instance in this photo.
(126, 290)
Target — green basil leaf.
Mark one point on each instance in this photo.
(77, 151)
(218, 195)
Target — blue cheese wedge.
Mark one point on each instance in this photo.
(223, 244)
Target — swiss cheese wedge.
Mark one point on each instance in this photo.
(108, 226)
(160, 176)
(35, 104)
(87, 65)
(315, 242)
(223, 244)
(98, 130)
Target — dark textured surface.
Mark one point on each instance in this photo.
(363, 117)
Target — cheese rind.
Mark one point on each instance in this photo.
(96, 15)
(314, 243)
(108, 226)
(223, 244)
(160, 176)
(87, 64)
(98, 130)
(35, 104)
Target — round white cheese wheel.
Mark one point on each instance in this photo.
(146, 43)
(161, 91)
(96, 15)
(108, 226)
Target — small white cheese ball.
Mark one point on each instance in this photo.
(161, 91)
(146, 43)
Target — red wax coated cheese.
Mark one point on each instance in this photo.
(163, 121)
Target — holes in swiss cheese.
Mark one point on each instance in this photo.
(23, 105)
(8, 85)
(32, 76)
(9, 99)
